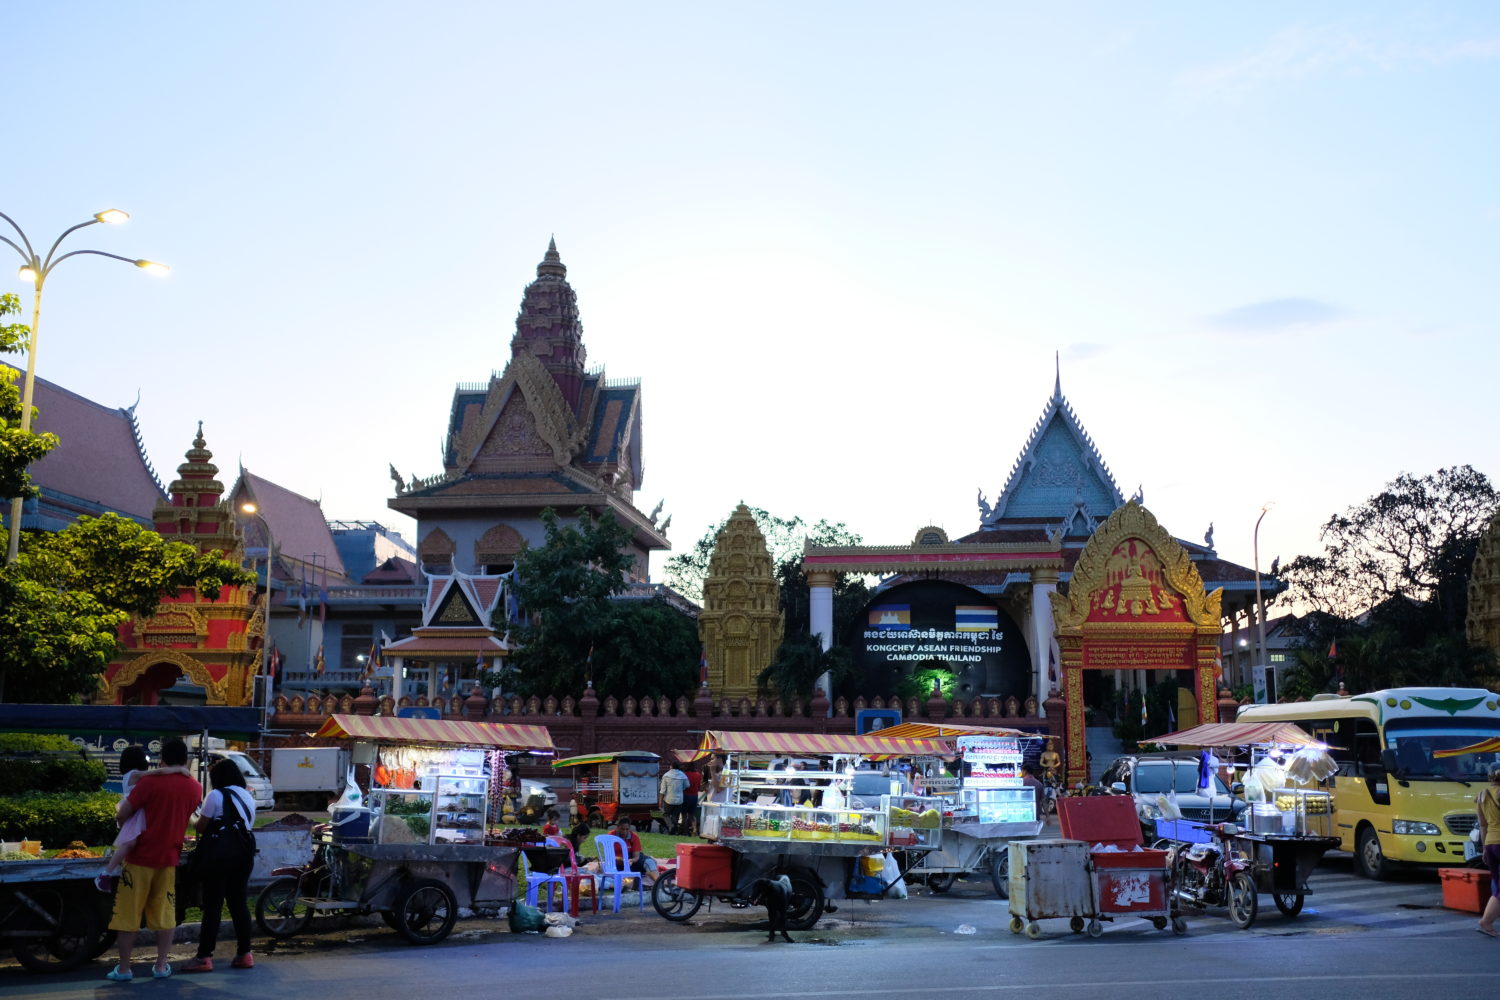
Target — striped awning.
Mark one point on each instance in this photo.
(871, 745)
(1240, 734)
(583, 760)
(385, 729)
(1491, 745)
(933, 731)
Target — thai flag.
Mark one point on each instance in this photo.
(975, 618)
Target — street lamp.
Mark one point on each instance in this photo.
(35, 269)
(1260, 608)
(248, 507)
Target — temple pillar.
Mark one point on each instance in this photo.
(820, 615)
(1043, 585)
(398, 675)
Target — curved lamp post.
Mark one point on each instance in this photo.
(248, 507)
(35, 269)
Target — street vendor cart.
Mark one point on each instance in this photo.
(616, 784)
(787, 804)
(1290, 820)
(420, 845)
(987, 803)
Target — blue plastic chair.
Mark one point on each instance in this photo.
(535, 881)
(611, 850)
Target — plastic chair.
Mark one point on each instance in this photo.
(535, 881)
(575, 876)
(611, 850)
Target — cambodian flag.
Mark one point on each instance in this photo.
(891, 617)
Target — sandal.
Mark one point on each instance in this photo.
(1487, 930)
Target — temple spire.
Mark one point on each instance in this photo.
(1057, 382)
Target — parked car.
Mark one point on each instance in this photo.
(1147, 777)
(530, 787)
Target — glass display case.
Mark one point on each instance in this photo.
(401, 815)
(997, 805)
(915, 820)
(1304, 812)
(459, 808)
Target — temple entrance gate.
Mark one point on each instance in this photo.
(1135, 602)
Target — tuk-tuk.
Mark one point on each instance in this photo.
(607, 786)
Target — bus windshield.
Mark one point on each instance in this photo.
(1415, 741)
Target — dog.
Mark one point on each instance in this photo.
(775, 894)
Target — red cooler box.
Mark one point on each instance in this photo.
(1465, 889)
(1128, 881)
(705, 867)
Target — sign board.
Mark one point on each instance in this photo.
(992, 761)
(420, 712)
(872, 720)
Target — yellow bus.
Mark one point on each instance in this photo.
(1393, 802)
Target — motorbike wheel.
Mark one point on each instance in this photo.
(1243, 900)
(672, 901)
(278, 910)
(1289, 903)
(74, 924)
(1000, 872)
(426, 911)
(807, 903)
(941, 883)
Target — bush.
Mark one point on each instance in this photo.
(56, 820)
(27, 742)
(46, 772)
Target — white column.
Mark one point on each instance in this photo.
(1043, 585)
(820, 615)
(398, 674)
(432, 669)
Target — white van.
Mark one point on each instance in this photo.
(256, 781)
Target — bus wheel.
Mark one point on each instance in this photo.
(1368, 857)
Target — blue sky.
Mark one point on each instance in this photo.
(839, 243)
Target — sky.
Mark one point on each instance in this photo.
(846, 247)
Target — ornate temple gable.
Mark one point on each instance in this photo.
(1483, 624)
(741, 624)
(1059, 477)
(613, 450)
(524, 417)
(461, 600)
(1133, 570)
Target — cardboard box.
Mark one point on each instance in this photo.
(1465, 889)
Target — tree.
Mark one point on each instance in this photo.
(63, 598)
(575, 631)
(17, 450)
(800, 661)
(1391, 588)
(1414, 540)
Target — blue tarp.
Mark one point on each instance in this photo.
(132, 721)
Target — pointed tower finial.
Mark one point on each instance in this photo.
(552, 265)
(198, 441)
(1057, 382)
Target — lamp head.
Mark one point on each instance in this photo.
(111, 216)
(249, 507)
(152, 267)
(27, 273)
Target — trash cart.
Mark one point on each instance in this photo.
(1129, 880)
(1049, 879)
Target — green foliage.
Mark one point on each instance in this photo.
(799, 662)
(918, 684)
(784, 541)
(50, 772)
(574, 630)
(63, 598)
(57, 820)
(17, 450)
(13, 743)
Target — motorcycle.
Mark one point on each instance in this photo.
(1216, 874)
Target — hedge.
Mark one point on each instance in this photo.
(57, 820)
(26, 742)
(48, 773)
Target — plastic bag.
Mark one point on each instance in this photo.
(525, 919)
(892, 873)
(352, 796)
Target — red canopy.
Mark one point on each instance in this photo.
(1239, 734)
(387, 729)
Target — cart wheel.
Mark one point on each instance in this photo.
(1000, 872)
(941, 883)
(1076, 925)
(672, 901)
(1243, 900)
(1095, 928)
(1179, 926)
(807, 903)
(1033, 930)
(279, 911)
(73, 923)
(425, 911)
(1289, 903)
(1160, 923)
(1017, 925)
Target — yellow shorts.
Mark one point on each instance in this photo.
(145, 892)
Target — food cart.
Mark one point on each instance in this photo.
(1291, 827)
(618, 783)
(423, 846)
(988, 804)
(51, 915)
(771, 817)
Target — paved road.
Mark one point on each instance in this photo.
(1356, 938)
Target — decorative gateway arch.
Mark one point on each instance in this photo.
(1135, 602)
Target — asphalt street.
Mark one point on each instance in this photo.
(1355, 938)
